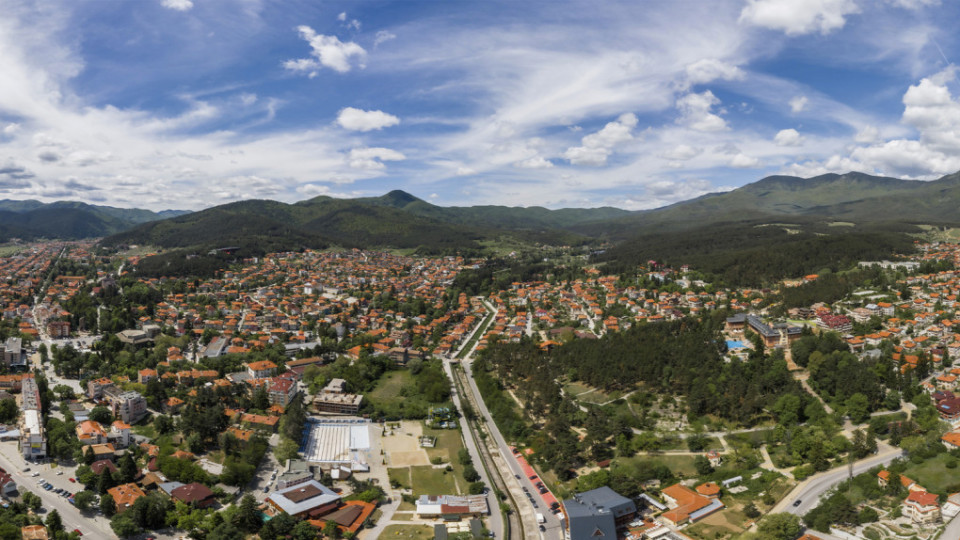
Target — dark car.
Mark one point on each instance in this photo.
(797, 502)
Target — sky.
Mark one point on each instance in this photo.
(187, 104)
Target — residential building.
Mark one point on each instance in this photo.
(309, 499)
(13, 353)
(125, 495)
(331, 403)
(146, 375)
(262, 369)
(119, 434)
(34, 532)
(598, 513)
(91, 432)
(58, 329)
(194, 494)
(281, 390)
(33, 439)
(96, 387)
(130, 407)
(8, 488)
(922, 508)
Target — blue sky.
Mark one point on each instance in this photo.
(193, 103)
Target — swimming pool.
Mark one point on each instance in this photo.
(734, 345)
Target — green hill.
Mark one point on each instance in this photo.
(69, 219)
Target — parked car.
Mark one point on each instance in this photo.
(78, 532)
(73, 480)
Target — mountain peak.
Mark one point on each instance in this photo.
(398, 198)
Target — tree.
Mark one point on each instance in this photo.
(304, 531)
(54, 523)
(780, 526)
(751, 511)
(868, 515)
(107, 505)
(703, 465)
(261, 400)
(247, 517)
(858, 408)
(101, 414)
(124, 526)
(330, 530)
(128, 468)
(163, 424)
(83, 500)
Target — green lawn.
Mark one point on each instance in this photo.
(933, 474)
(449, 443)
(678, 464)
(389, 386)
(430, 481)
(425, 480)
(391, 400)
(144, 430)
(418, 532)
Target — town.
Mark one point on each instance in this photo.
(354, 393)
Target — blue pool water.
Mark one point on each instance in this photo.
(734, 345)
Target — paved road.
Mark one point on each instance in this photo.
(552, 525)
(809, 491)
(90, 524)
(952, 532)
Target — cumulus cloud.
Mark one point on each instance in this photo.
(743, 161)
(798, 103)
(327, 51)
(696, 112)
(465, 171)
(710, 69)
(914, 4)
(536, 162)
(933, 112)
(373, 158)
(178, 5)
(869, 134)
(360, 120)
(797, 17)
(596, 147)
(788, 137)
(11, 128)
(682, 152)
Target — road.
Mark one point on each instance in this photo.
(91, 524)
(810, 490)
(552, 525)
(952, 531)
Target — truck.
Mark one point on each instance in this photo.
(540, 518)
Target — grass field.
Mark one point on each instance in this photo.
(420, 532)
(145, 430)
(6, 251)
(425, 480)
(678, 464)
(933, 474)
(389, 387)
(390, 398)
(449, 443)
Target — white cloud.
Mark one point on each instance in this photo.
(798, 103)
(536, 162)
(710, 69)
(933, 112)
(797, 17)
(914, 4)
(342, 16)
(328, 51)
(179, 5)
(596, 147)
(465, 171)
(867, 135)
(697, 112)
(373, 158)
(743, 161)
(11, 128)
(382, 37)
(682, 152)
(788, 137)
(360, 120)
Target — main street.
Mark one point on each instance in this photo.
(514, 473)
(90, 524)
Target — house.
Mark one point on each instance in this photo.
(257, 421)
(951, 440)
(451, 506)
(349, 517)
(715, 458)
(125, 495)
(120, 433)
(34, 532)
(687, 505)
(146, 375)
(173, 405)
(309, 499)
(261, 370)
(598, 513)
(101, 451)
(883, 478)
(8, 487)
(91, 432)
(922, 508)
(194, 494)
(103, 465)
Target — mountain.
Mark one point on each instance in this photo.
(32, 219)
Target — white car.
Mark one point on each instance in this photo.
(59, 473)
(35, 473)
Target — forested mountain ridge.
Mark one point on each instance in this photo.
(32, 219)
